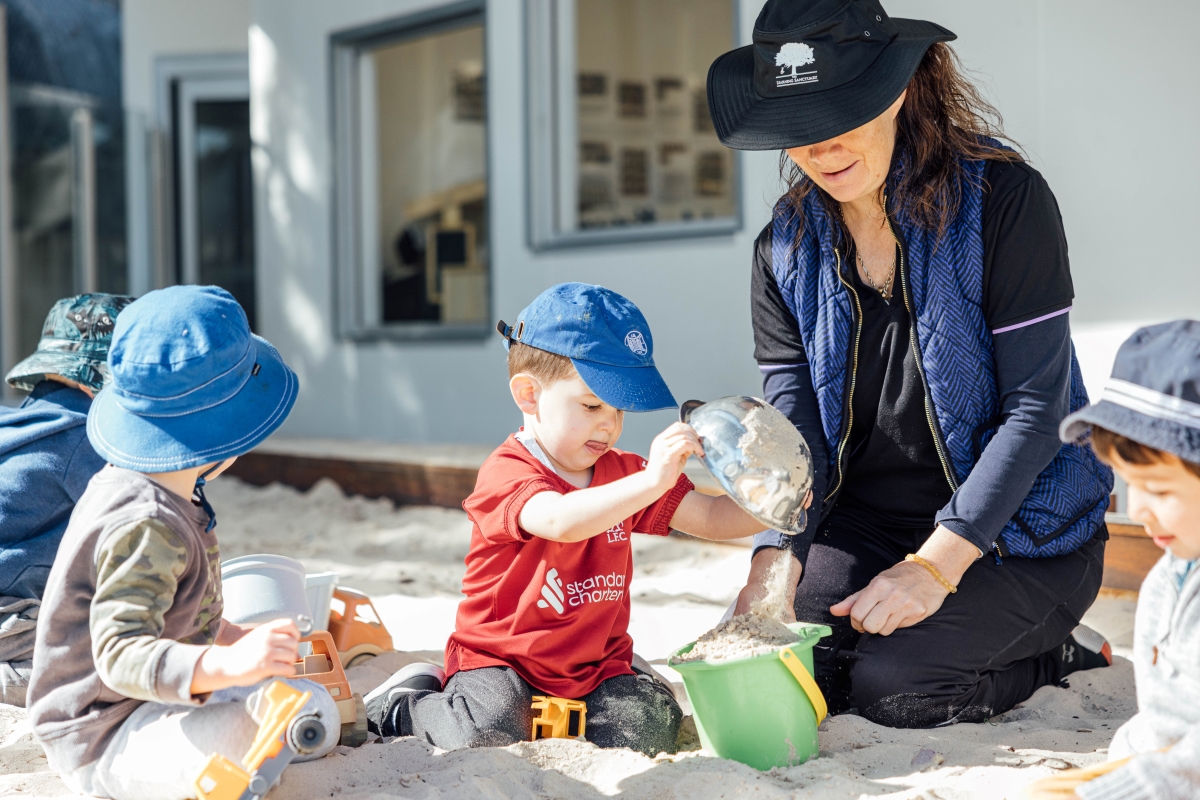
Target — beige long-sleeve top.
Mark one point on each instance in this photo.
(133, 601)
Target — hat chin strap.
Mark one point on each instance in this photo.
(198, 494)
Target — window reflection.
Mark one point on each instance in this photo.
(647, 149)
(429, 114)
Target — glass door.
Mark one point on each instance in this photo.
(215, 189)
(54, 211)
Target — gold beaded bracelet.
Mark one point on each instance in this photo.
(932, 571)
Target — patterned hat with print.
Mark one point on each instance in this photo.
(74, 343)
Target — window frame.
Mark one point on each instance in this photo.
(345, 48)
(172, 74)
(547, 59)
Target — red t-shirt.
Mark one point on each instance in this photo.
(557, 613)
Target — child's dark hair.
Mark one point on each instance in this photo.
(547, 367)
(1105, 443)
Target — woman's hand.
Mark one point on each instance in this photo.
(896, 598)
(756, 582)
(908, 593)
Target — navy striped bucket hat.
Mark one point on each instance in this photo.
(1153, 395)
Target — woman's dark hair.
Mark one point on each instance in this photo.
(944, 119)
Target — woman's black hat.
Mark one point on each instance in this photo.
(816, 69)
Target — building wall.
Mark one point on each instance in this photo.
(153, 28)
(1100, 105)
(1106, 109)
(694, 293)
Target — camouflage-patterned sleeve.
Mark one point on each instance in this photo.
(137, 574)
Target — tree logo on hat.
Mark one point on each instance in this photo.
(635, 342)
(794, 55)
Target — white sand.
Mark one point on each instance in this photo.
(411, 559)
(743, 636)
(757, 633)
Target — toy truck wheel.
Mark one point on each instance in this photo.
(306, 734)
(355, 733)
(359, 653)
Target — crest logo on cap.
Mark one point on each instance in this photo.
(794, 55)
(635, 342)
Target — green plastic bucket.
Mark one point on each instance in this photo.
(762, 711)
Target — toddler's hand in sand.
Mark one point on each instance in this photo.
(267, 651)
(669, 452)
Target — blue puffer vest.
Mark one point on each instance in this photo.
(942, 285)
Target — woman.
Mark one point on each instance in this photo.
(910, 303)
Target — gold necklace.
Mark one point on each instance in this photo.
(886, 291)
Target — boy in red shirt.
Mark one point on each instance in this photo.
(547, 602)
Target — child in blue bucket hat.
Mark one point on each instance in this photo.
(547, 606)
(1147, 426)
(137, 680)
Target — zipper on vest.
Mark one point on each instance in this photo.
(912, 335)
(853, 378)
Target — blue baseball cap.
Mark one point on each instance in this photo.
(1153, 395)
(190, 384)
(605, 336)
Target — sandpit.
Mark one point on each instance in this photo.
(411, 558)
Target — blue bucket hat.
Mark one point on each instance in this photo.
(605, 336)
(190, 384)
(1153, 396)
(74, 343)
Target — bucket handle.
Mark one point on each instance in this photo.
(796, 667)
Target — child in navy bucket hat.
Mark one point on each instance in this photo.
(137, 679)
(1147, 426)
(547, 602)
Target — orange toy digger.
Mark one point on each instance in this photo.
(283, 734)
(325, 667)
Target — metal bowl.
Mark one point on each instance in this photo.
(769, 472)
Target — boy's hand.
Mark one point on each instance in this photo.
(267, 651)
(580, 515)
(230, 633)
(669, 452)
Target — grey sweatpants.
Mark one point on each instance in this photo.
(159, 751)
(18, 619)
(490, 707)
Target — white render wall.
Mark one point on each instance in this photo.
(1102, 96)
(1104, 105)
(694, 293)
(153, 28)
